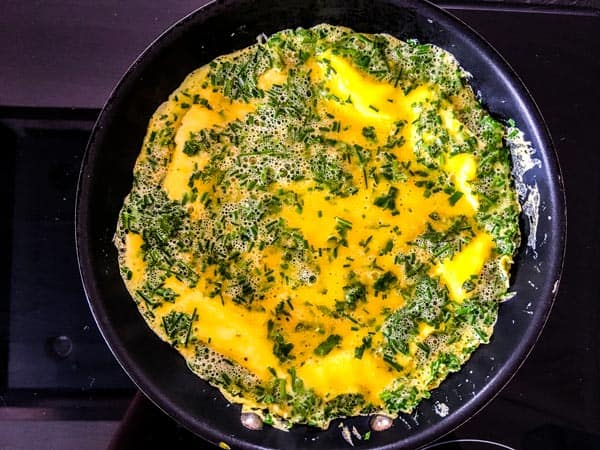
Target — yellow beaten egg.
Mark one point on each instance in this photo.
(322, 224)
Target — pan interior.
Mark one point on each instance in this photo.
(105, 179)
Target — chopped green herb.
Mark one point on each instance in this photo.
(385, 282)
(388, 201)
(327, 345)
(366, 343)
(369, 133)
(455, 197)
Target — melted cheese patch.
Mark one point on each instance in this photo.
(465, 265)
(134, 258)
(366, 375)
(244, 334)
(195, 119)
(463, 169)
(363, 101)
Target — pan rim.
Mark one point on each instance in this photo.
(457, 417)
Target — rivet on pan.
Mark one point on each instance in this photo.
(251, 421)
(380, 423)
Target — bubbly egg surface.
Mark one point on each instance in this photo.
(322, 224)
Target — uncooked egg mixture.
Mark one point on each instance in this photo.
(322, 224)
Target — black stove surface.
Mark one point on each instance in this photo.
(52, 343)
(55, 367)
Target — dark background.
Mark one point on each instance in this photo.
(63, 58)
(69, 53)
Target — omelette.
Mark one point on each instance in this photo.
(322, 224)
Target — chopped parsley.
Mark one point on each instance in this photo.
(388, 201)
(369, 133)
(327, 345)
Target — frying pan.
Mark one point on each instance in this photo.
(106, 177)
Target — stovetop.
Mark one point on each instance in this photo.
(59, 385)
